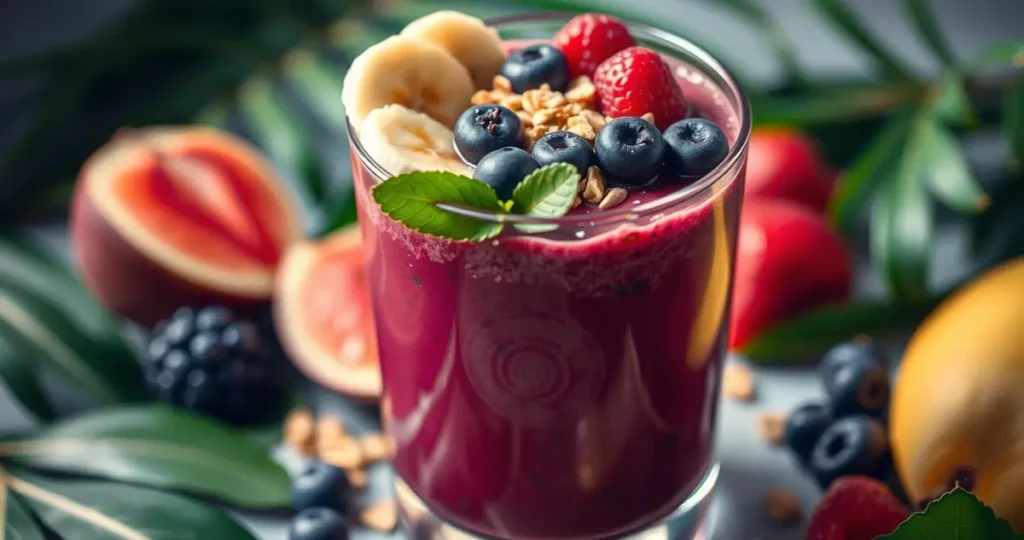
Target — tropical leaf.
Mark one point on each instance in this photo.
(16, 521)
(843, 19)
(37, 329)
(776, 36)
(19, 374)
(92, 510)
(159, 447)
(926, 25)
(946, 171)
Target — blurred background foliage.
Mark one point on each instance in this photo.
(272, 70)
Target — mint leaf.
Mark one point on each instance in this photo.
(416, 199)
(547, 192)
(957, 514)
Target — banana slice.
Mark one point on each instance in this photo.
(410, 72)
(403, 140)
(467, 38)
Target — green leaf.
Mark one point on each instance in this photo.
(826, 105)
(953, 105)
(282, 137)
(1013, 125)
(38, 329)
(418, 200)
(1002, 54)
(159, 447)
(26, 265)
(866, 174)
(16, 519)
(92, 510)
(319, 84)
(926, 25)
(840, 15)
(946, 172)
(901, 234)
(547, 192)
(18, 371)
(956, 515)
(807, 335)
(776, 35)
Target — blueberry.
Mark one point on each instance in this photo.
(504, 168)
(318, 524)
(804, 426)
(213, 318)
(850, 352)
(532, 66)
(483, 129)
(852, 445)
(630, 151)
(565, 147)
(695, 147)
(858, 388)
(320, 484)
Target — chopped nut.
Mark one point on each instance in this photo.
(582, 91)
(577, 202)
(594, 192)
(738, 382)
(329, 430)
(648, 116)
(376, 447)
(582, 186)
(357, 478)
(381, 516)
(532, 101)
(783, 506)
(346, 454)
(580, 126)
(502, 84)
(300, 431)
(594, 118)
(542, 117)
(513, 102)
(554, 100)
(614, 198)
(482, 97)
(772, 427)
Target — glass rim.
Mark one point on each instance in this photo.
(624, 212)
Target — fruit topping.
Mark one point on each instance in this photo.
(332, 342)
(788, 260)
(503, 169)
(637, 81)
(483, 129)
(531, 66)
(856, 508)
(855, 445)
(474, 44)
(804, 427)
(858, 387)
(857, 351)
(565, 147)
(786, 164)
(402, 140)
(318, 524)
(411, 72)
(630, 151)
(320, 484)
(208, 361)
(591, 38)
(695, 146)
(143, 199)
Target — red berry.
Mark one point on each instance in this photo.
(856, 508)
(637, 81)
(786, 164)
(591, 38)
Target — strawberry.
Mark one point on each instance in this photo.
(637, 81)
(591, 38)
(856, 508)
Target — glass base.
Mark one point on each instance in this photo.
(687, 522)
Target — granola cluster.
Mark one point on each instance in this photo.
(544, 111)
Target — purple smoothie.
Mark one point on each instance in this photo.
(561, 385)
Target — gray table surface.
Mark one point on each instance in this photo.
(748, 466)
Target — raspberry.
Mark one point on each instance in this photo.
(856, 508)
(591, 38)
(637, 81)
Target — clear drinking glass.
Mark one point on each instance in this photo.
(563, 384)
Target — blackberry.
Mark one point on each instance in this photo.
(210, 361)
